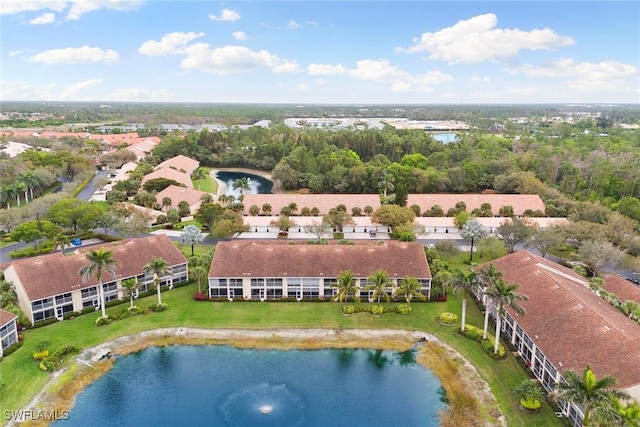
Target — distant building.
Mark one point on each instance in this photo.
(323, 202)
(50, 286)
(566, 326)
(8, 330)
(269, 271)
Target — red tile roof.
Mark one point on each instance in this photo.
(519, 202)
(169, 173)
(624, 290)
(6, 317)
(569, 323)
(54, 274)
(266, 259)
(324, 202)
(178, 194)
(180, 162)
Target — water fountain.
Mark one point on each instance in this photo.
(249, 405)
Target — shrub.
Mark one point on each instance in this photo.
(102, 321)
(158, 307)
(447, 318)
(403, 309)
(7, 351)
(89, 309)
(472, 332)
(52, 362)
(40, 355)
(44, 323)
(348, 309)
(200, 296)
(530, 404)
(488, 345)
(377, 310)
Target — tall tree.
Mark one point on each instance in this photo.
(378, 283)
(409, 287)
(199, 272)
(159, 268)
(503, 294)
(488, 277)
(100, 262)
(191, 236)
(591, 394)
(61, 240)
(472, 231)
(130, 286)
(241, 184)
(513, 232)
(465, 283)
(346, 285)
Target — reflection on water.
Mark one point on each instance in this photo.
(225, 386)
(257, 184)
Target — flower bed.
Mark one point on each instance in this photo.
(448, 319)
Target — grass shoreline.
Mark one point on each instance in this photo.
(23, 379)
(460, 383)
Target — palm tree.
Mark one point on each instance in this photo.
(487, 278)
(241, 184)
(199, 272)
(30, 182)
(159, 268)
(503, 294)
(100, 261)
(130, 285)
(465, 283)
(529, 390)
(379, 281)
(10, 192)
(410, 287)
(346, 285)
(207, 198)
(472, 231)
(61, 240)
(198, 175)
(385, 185)
(166, 203)
(591, 394)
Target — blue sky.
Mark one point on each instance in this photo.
(339, 52)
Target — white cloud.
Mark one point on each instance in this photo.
(382, 71)
(80, 7)
(302, 87)
(325, 69)
(45, 18)
(75, 91)
(477, 39)
(233, 59)
(583, 70)
(226, 15)
(169, 44)
(293, 25)
(79, 55)
(10, 7)
(76, 8)
(240, 35)
(480, 79)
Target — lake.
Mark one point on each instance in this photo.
(257, 184)
(445, 138)
(226, 386)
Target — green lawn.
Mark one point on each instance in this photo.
(207, 184)
(22, 378)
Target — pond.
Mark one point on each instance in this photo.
(257, 184)
(445, 138)
(226, 386)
